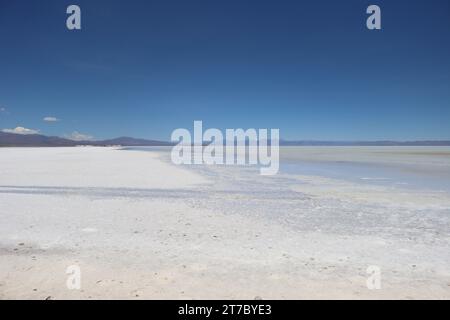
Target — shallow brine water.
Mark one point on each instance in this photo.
(406, 167)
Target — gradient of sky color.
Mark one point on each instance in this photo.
(144, 68)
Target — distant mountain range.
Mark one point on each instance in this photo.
(37, 140)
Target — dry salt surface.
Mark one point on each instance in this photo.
(139, 227)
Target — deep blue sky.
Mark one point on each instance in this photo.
(310, 68)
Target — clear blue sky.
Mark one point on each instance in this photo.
(310, 68)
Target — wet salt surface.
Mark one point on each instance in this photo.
(405, 191)
(377, 174)
(408, 167)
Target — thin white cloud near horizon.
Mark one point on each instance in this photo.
(51, 119)
(21, 130)
(77, 136)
